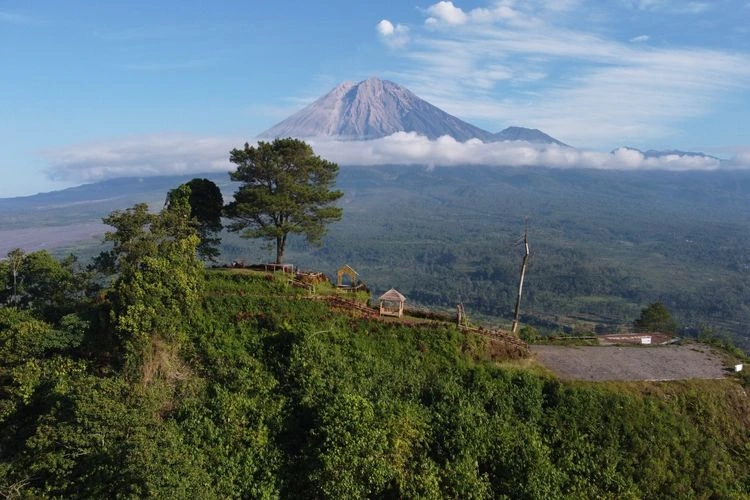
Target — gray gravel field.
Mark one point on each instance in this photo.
(600, 363)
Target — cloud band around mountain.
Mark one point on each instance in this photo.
(411, 148)
(152, 155)
(183, 154)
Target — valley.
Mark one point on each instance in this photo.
(604, 243)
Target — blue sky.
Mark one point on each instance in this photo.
(96, 89)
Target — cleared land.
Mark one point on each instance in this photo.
(49, 237)
(600, 363)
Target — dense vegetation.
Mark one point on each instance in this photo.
(257, 391)
(206, 204)
(146, 375)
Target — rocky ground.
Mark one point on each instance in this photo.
(599, 363)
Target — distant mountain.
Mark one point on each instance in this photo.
(375, 108)
(118, 192)
(372, 109)
(653, 153)
(525, 134)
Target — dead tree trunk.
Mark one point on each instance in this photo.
(514, 328)
(461, 315)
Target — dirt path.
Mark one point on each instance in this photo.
(599, 363)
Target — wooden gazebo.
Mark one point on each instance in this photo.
(392, 303)
(349, 272)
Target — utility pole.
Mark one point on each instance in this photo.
(16, 260)
(460, 313)
(514, 328)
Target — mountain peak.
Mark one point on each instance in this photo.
(372, 109)
(344, 86)
(376, 108)
(532, 135)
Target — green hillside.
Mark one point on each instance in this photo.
(250, 389)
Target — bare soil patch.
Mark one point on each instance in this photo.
(600, 363)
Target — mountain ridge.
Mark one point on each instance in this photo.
(374, 108)
(660, 153)
(534, 135)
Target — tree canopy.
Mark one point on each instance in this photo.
(206, 204)
(286, 188)
(38, 281)
(656, 318)
(159, 277)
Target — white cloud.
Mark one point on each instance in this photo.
(562, 5)
(677, 6)
(742, 159)
(18, 19)
(385, 27)
(393, 35)
(164, 154)
(640, 39)
(527, 68)
(645, 4)
(697, 7)
(182, 154)
(410, 148)
(447, 13)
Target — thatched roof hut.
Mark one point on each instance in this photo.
(392, 303)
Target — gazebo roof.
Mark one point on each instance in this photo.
(393, 295)
(347, 268)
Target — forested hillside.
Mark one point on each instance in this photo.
(143, 373)
(248, 388)
(604, 243)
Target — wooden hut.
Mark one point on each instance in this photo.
(347, 271)
(392, 303)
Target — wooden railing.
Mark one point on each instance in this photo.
(496, 334)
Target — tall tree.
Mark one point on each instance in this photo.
(206, 204)
(286, 189)
(11, 269)
(656, 318)
(159, 277)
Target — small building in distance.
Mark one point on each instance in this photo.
(654, 338)
(392, 303)
(286, 268)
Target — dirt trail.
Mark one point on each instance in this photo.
(599, 363)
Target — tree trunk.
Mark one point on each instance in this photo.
(517, 314)
(280, 244)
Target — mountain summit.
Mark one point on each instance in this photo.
(525, 134)
(372, 109)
